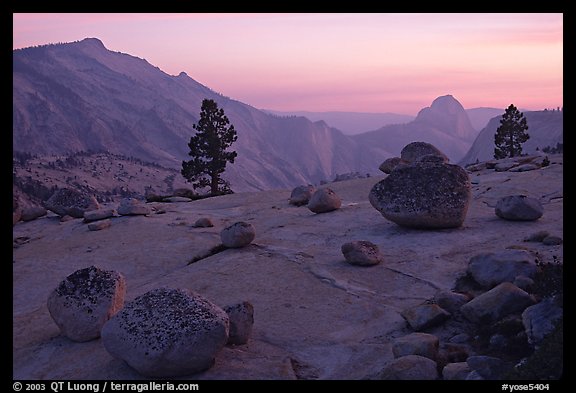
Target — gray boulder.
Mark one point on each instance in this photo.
(410, 367)
(497, 303)
(32, 212)
(425, 316)
(99, 225)
(422, 344)
(83, 302)
(456, 371)
(241, 321)
(167, 333)
(491, 269)
(424, 195)
(238, 235)
(69, 202)
(132, 207)
(391, 163)
(203, 222)
(488, 367)
(539, 320)
(324, 200)
(519, 208)
(100, 214)
(362, 253)
(412, 151)
(301, 195)
(451, 301)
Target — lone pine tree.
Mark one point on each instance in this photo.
(511, 134)
(208, 149)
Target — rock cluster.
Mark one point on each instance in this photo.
(427, 193)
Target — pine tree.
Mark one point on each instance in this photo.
(208, 149)
(511, 134)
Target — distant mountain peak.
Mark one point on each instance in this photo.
(93, 42)
(449, 116)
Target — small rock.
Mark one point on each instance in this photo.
(412, 151)
(203, 222)
(552, 240)
(425, 316)
(99, 225)
(488, 367)
(32, 213)
(504, 166)
(524, 283)
(99, 214)
(539, 320)
(451, 301)
(456, 371)
(167, 333)
(85, 300)
(537, 236)
(362, 253)
(519, 208)
(301, 195)
(422, 344)
(238, 235)
(497, 303)
(390, 164)
(324, 200)
(241, 321)
(132, 207)
(491, 269)
(410, 367)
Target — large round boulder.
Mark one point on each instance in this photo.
(69, 202)
(412, 151)
(324, 200)
(167, 333)
(519, 208)
(83, 302)
(425, 194)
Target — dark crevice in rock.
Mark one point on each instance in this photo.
(213, 251)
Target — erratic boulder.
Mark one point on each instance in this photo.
(491, 269)
(301, 195)
(167, 333)
(69, 202)
(132, 207)
(519, 208)
(324, 200)
(425, 194)
(85, 300)
(362, 253)
(241, 318)
(238, 235)
(497, 303)
(412, 151)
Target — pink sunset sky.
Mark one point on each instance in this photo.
(336, 62)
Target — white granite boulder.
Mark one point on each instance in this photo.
(241, 317)
(301, 195)
(237, 235)
(324, 200)
(425, 194)
(85, 300)
(167, 333)
(519, 208)
(491, 269)
(69, 202)
(361, 253)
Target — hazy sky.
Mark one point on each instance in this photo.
(336, 62)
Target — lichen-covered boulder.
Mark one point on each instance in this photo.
(85, 300)
(167, 333)
(69, 202)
